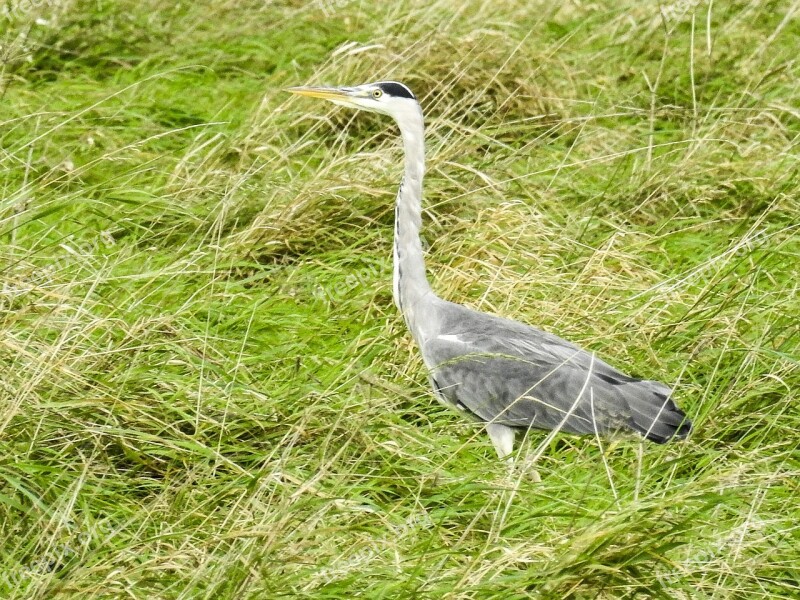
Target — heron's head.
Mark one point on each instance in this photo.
(387, 97)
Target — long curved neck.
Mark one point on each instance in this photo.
(412, 293)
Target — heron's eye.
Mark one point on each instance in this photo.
(377, 94)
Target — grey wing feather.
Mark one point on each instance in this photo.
(504, 372)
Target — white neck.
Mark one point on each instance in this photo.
(412, 293)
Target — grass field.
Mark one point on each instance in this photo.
(207, 391)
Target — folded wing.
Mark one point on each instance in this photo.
(508, 373)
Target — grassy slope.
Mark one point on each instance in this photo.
(206, 390)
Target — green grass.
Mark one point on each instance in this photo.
(207, 391)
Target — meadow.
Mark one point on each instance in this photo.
(206, 389)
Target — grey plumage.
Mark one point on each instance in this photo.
(507, 373)
(504, 373)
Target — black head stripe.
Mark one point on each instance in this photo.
(398, 90)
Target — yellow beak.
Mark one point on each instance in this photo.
(320, 92)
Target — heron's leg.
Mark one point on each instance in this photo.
(530, 470)
(503, 439)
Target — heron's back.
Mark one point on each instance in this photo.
(505, 372)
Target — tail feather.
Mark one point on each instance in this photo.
(654, 414)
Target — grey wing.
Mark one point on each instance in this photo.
(505, 372)
(510, 390)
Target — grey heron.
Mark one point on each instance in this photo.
(508, 375)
